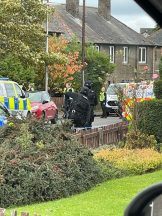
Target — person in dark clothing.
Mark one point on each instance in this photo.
(24, 87)
(102, 98)
(92, 97)
(66, 106)
(79, 109)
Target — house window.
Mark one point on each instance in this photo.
(97, 47)
(111, 53)
(142, 54)
(125, 56)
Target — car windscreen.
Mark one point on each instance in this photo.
(1, 90)
(35, 97)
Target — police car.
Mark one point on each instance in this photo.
(4, 113)
(14, 98)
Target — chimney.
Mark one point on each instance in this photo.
(104, 9)
(72, 7)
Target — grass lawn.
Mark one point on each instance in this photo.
(108, 199)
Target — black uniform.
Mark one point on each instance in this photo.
(92, 97)
(79, 109)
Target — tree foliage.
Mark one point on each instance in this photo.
(21, 29)
(97, 67)
(64, 70)
(14, 70)
(22, 41)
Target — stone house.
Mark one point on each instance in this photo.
(156, 38)
(146, 32)
(132, 53)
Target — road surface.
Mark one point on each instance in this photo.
(105, 121)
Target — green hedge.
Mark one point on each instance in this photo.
(158, 89)
(150, 118)
(43, 162)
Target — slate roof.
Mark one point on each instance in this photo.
(156, 37)
(98, 30)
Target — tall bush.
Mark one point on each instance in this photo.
(158, 89)
(158, 83)
(150, 118)
(40, 162)
(135, 139)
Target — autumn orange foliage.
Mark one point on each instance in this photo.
(65, 71)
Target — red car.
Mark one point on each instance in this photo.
(43, 107)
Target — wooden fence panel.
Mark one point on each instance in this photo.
(59, 101)
(96, 137)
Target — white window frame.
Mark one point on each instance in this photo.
(125, 55)
(141, 49)
(97, 47)
(112, 54)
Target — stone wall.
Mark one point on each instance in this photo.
(133, 70)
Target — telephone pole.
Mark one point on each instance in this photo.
(46, 66)
(83, 43)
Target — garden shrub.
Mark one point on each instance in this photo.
(138, 161)
(43, 162)
(110, 170)
(158, 89)
(150, 118)
(135, 139)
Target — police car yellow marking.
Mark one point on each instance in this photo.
(11, 103)
(15, 103)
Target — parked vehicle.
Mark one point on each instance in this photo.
(14, 98)
(43, 107)
(141, 91)
(4, 113)
(112, 104)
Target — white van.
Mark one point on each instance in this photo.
(142, 90)
(112, 98)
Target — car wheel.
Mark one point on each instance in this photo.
(43, 116)
(29, 115)
(54, 120)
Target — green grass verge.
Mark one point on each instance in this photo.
(108, 199)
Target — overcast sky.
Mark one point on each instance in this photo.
(127, 11)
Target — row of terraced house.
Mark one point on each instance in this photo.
(134, 55)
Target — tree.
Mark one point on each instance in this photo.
(64, 70)
(22, 36)
(97, 68)
(22, 32)
(13, 69)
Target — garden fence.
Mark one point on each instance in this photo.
(59, 101)
(111, 134)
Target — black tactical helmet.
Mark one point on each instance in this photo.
(88, 84)
(84, 90)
